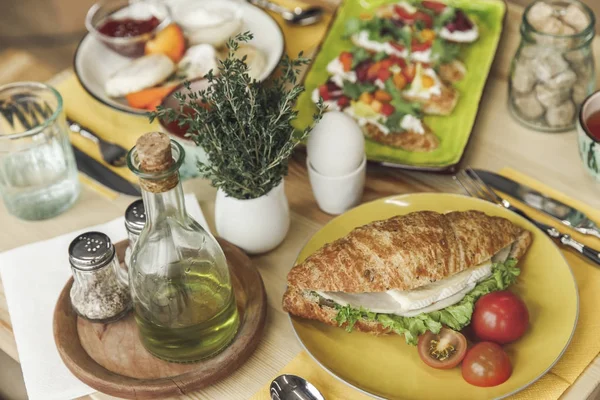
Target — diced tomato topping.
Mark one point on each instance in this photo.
(362, 70)
(418, 46)
(409, 72)
(398, 61)
(397, 46)
(434, 6)
(388, 62)
(346, 60)
(426, 18)
(384, 74)
(324, 93)
(403, 13)
(373, 71)
(387, 109)
(343, 101)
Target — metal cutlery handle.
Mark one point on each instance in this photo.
(588, 227)
(590, 253)
(268, 5)
(566, 240)
(86, 133)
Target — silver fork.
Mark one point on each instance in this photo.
(475, 187)
(112, 153)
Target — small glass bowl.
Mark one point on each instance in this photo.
(131, 46)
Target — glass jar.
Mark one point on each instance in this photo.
(99, 292)
(552, 71)
(38, 175)
(183, 300)
(135, 219)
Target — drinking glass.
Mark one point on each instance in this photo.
(38, 175)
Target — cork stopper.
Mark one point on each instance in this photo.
(154, 154)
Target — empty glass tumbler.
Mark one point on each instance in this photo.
(38, 175)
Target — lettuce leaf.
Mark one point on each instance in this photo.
(456, 316)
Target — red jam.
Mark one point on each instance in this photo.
(128, 27)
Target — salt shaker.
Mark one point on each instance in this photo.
(100, 292)
(135, 219)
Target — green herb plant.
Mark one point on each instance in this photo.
(243, 125)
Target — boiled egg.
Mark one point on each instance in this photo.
(198, 60)
(336, 145)
(425, 84)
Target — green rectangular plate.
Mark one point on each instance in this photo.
(453, 130)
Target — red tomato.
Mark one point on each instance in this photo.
(324, 92)
(343, 101)
(434, 6)
(398, 61)
(418, 46)
(387, 109)
(346, 60)
(426, 18)
(486, 364)
(444, 350)
(384, 74)
(500, 317)
(403, 14)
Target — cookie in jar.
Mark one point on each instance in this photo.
(553, 68)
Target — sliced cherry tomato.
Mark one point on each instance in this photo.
(403, 14)
(387, 109)
(388, 62)
(444, 350)
(434, 6)
(324, 92)
(409, 72)
(418, 46)
(346, 60)
(486, 364)
(384, 74)
(373, 71)
(500, 317)
(426, 18)
(343, 101)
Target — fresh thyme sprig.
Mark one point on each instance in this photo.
(244, 126)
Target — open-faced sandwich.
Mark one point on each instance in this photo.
(401, 66)
(409, 274)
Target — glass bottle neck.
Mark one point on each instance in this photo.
(169, 204)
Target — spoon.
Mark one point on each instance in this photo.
(292, 387)
(297, 16)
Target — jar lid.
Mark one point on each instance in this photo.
(135, 217)
(90, 251)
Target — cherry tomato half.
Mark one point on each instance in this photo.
(434, 6)
(444, 350)
(486, 364)
(500, 317)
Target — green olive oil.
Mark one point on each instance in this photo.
(188, 317)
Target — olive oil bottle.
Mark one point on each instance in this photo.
(183, 300)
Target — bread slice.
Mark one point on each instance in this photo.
(443, 104)
(405, 252)
(410, 141)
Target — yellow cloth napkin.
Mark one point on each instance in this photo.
(584, 346)
(124, 129)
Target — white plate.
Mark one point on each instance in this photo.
(94, 62)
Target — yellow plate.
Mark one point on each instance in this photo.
(387, 367)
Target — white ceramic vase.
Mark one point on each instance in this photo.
(255, 225)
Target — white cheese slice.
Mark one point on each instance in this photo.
(460, 36)
(431, 297)
(338, 75)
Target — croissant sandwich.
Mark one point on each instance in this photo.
(408, 274)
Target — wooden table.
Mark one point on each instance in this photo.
(497, 141)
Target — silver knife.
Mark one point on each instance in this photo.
(564, 213)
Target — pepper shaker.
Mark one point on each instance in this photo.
(100, 292)
(135, 220)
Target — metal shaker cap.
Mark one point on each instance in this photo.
(90, 251)
(135, 217)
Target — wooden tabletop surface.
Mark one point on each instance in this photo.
(498, 141)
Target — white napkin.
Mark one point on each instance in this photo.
(33, 277)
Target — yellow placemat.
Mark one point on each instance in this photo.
(584, 346)
(124, 129)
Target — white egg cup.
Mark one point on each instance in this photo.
(336, 194)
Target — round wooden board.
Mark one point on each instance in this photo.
(111, 359)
